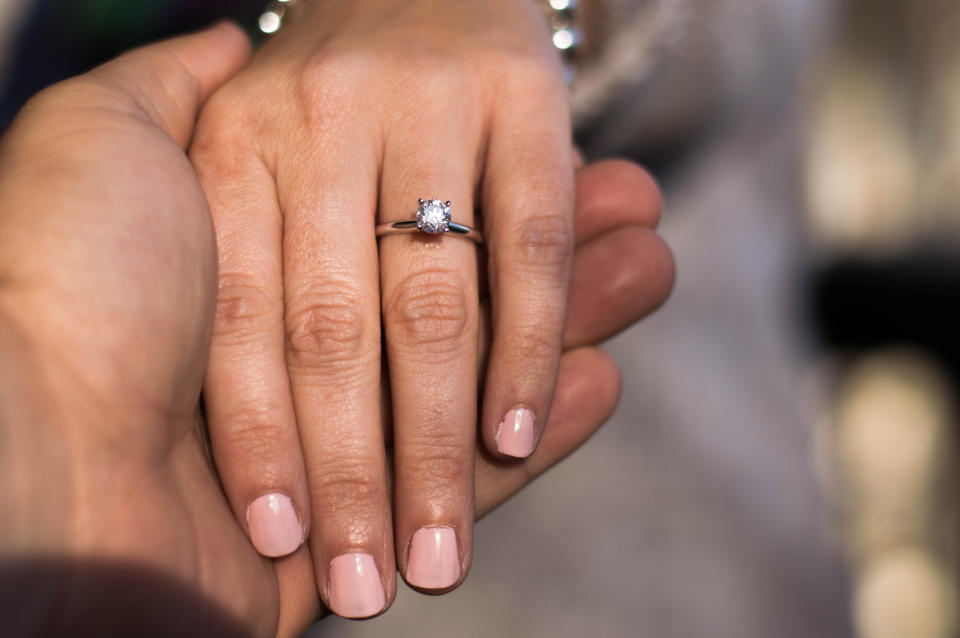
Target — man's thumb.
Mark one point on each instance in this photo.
(171, 80)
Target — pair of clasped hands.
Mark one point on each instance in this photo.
(185, 219)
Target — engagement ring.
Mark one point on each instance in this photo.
(433, 218)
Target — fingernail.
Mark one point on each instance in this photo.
(355, 587)
(515, 434)
(434, 560)
(274, 526)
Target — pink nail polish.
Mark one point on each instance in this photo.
(356, 590)
(434, 560)
(275, 529)
(515, 434)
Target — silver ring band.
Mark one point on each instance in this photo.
(410, 226)
(433, 218)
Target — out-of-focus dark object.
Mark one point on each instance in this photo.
(871, 301)
(57, 39)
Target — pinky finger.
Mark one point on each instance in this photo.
(588, 389)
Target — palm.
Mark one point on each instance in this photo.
(133, 220)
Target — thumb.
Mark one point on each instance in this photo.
(169, 81)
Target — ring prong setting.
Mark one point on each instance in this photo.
(433, 216)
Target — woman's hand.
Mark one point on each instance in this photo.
(107, 294)
(353, 112)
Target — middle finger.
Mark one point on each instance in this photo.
(333, 359)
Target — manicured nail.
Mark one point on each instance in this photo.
(274, 526)
(434, 560)
(356, 590)
(515, 434)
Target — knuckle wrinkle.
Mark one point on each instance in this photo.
(330, 331)
(545, 242)
(430, 310)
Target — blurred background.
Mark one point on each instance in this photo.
(783, 462)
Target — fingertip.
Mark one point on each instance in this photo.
(169, 81)
(627, 172)
(235, 32)
(613, 193)
(355, 589)
(588, 388)
(578, 160)
(601, 386)
(656, 271)
(213, 56)
(609, 381)
(617, 278)
(651, 278)
(668, 272)
(515, 436)
(434, 559)
(274, 525)
(236, 39)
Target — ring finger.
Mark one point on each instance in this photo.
(430, 313)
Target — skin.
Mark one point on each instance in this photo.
(352, 112)
(108, 294)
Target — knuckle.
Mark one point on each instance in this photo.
(348, 484)
(330, 332)
(544, 242)
(225, 113)
(439, 459)
(254, 436)
(429, 309)
(446, 84)
(533, 74)
(446, 75)
(533, 69)
(429, 59)
(243, 307)
(535, 344)
(326, 82)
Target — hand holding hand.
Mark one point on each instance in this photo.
(107, 291)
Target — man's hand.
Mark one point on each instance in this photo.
(109, 274)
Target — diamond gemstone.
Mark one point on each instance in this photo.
(433, 215)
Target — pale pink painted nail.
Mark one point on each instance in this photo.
(434, 560)
(355, 587)
(515, 434)
(275, 529)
